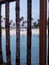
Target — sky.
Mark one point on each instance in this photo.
(23, 10)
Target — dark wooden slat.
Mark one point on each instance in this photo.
(43, 19)
(3, 63)
(48, 39)
(3, 1)
(29, 6)
(1, 57)
(48, 34)
(8, 52)
(17, 32)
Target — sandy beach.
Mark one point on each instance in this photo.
(22, 31)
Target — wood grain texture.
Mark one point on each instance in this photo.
(43, 21)
(4, 1)
(8, 52)
(48, 40)
(29, 12)
(1, 57)
(17, 32)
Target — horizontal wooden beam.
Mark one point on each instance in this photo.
(3, 1)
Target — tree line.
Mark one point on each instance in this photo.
(34, 25)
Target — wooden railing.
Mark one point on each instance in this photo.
(8, 52)
(43, 19)
(1, 58)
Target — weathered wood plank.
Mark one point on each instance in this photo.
(43, 19)
(3, 1)
(48, 39)
(1, 57)
(48, 33)
(8, 52)
(17, 32)
(29, 12)
(3, 63)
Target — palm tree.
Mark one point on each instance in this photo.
(4, 18)
(22, 18)
(34, 24)
(10, 22)
(13, 24)
(23, 23)
(31, 18)
(38, 22)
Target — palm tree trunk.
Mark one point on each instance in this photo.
(43, 19)
(8, 52)
(1, 57)
(29, 11)
(17, 32)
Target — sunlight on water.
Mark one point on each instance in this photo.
(23, 49)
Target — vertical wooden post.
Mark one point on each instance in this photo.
(17, 32)
(29, 11)
(43, 19)
(48, 40)
(48, 34)
(8, 53)
(1, 58)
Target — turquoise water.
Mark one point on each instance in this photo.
(23, 49)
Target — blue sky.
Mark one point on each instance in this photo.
(23, 10)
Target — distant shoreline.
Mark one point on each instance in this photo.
(22, 31)
(22, 28)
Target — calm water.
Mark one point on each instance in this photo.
(23, 49)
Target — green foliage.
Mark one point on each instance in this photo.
(35, 24)
(22, 18)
